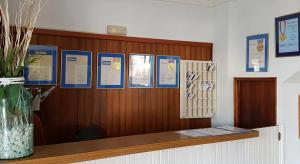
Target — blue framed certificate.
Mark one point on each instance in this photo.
(44, 70)
(167, 68)
(257, 53)
(141, 70)
(287, 33)
(110, 70)
(76, 69)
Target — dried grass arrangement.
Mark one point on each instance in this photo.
(15, 40)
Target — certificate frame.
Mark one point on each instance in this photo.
(260, 39)
(279, 32)
(158, 69)
(122, 78)
(64, 54)
(45, 50)
(151, 72)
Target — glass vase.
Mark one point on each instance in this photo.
(16, 122)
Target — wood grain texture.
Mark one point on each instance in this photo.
(111, 147)
(255, 102)
(119, 112)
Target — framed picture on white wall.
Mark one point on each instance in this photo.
(287, 34)
(257, 53)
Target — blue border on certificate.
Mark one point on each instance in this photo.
(47, 50)
(277, 20)
(99, 61)
(64, 54)
(255, 37)
(151, 84)
(177, 60)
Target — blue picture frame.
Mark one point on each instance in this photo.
(285, 28)
(151, 68)
(158, 68)
(64, 55)
(260, 39)
(42, 50)
(99, 62)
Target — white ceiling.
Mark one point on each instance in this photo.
(207, 3)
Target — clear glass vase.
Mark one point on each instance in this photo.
(16, 122)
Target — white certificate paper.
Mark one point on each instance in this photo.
(41, 70)
(288, 35)
(110, 71)
(257, 53)
(76, 69)
(167, 72)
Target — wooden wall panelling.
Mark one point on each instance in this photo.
(154, 115)
(171, 107)
(165, 97)
(123, 96)
(129, 104)
(177, 98)
(118, 112)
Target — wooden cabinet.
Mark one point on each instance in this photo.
(254, 102)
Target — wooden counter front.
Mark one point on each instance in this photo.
(110, 147)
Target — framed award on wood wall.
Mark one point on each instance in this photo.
(141, 71)
(110, 70)
(44, 70)
(287, 33)
(76, 69)
(167, 71)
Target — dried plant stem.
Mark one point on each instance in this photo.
(6, 27)
(16, 42)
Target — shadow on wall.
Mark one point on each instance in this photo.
(295, 78)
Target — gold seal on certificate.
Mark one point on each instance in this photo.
(171, 66)
(116, 64)
(260, 45)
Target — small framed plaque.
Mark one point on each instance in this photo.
(287, 33)
(44, 70)
(141, 70)
(110, 70)
(257, 53)
(167, 69)
(76, 69)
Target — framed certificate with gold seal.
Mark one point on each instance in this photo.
(110, 71)
(167, 71)
(287, 33)
(257, 53)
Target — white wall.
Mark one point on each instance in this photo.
(250, 17)
(144, 18)
(220, 55)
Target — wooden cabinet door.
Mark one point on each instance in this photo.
(254, 102)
